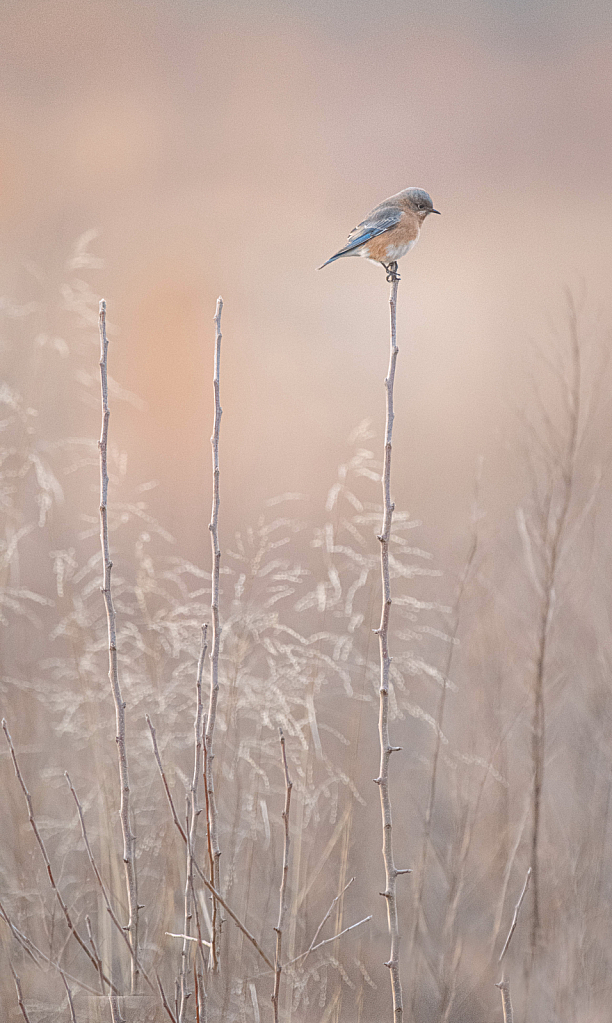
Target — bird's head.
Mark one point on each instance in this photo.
(419, 201)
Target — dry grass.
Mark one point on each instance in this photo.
(299, 600)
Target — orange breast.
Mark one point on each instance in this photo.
(393, 244)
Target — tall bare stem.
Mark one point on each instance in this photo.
(213, 821)
(113, 672)
(386, 749)
(192, 818)
(282, 908)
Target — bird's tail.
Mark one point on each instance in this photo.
(331, 260)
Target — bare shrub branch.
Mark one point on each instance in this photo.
(217, 895)
(282, 908)
(41, 845)
(386, 749)
(113, 670)
(104, 890)
(19, 995)
(212, 816)
(192, 817)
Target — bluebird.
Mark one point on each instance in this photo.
(390, 230)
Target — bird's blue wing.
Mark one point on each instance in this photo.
(376, 223)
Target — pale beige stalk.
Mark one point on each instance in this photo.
(212, 815)
(282, 908)
(129, 840)
(386, 749)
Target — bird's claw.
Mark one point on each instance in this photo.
(392, 274)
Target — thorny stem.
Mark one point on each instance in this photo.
(282, 908)
(192, 811)
(386, 749)
(129, 839)
(213, 823)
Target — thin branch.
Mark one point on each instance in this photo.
(32, 950)
(327, 941)
(386, 749)
(19, 995)
(129, 839)
(517, 910)
(504, 983)
(45, 857)
(162, 995)
(213, 820)
(192, 817)
(115, 1010)
(103, 887)
(552, 540)
(188, 937)
(196, 865)
(69, 996)
(325, 919)
(94, 949)
(163, 777)
(504, 987)
(282, 908)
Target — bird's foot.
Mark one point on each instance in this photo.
(392, 274)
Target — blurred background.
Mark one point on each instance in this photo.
(161, 153)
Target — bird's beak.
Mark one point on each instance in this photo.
(435, 211)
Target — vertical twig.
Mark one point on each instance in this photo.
(45, 856)
(282, 908)
(386, 749)
(113, 670)
(213, 823)
(504, 987)
(103, 889)
(69, 996)
(192, 809)
(94, 949)
(116, 1016)
(19, 995)
(504, 983)
(552, 544)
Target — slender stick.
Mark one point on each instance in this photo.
(42, 847)
(164, 1000)
(213, 821)
(35, 953)
(103, 888)
(313, 943)
(282, 908)
(504, 987)
(504, 983)
(116, 1016)
(386, 749)
(326, 941)
(69, 996)
(19, 995)
(552, 541)
(192, 813)
(113, 668)
(517, 910)
(217, 895)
